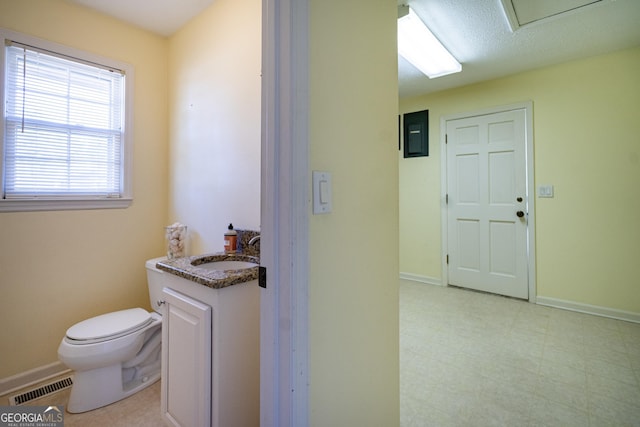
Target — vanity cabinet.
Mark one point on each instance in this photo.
(186, 360)
(210, 354)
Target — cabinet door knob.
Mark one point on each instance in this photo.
(520, 214)
(160, 302)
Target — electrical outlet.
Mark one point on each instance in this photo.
(545, 191)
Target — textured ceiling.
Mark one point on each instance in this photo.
(477, 32)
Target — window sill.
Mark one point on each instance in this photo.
(28, 205)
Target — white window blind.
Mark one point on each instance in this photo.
(64, 124)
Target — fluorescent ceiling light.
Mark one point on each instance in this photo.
(421, 48)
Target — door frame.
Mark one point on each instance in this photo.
(527, 106)
(284, 214)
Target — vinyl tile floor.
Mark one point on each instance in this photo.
(474, 359)
(139, 410)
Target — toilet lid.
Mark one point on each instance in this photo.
(110, 324)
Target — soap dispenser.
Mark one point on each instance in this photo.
(230, 240)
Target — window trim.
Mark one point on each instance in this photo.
(44, 203)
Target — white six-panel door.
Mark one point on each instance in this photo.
(487, 203)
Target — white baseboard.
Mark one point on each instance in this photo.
(628, 316)
(612, 313)
(421, 279)
(31, 377)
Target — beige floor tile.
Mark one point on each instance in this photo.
(495, 361)
(140, 410)
(552, 414)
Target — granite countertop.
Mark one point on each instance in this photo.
(189, 268)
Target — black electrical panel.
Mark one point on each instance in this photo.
(416, 134)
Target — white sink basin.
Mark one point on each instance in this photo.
(227, 265)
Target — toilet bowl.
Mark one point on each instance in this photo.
(117, 354)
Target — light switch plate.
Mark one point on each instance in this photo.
(322, 198)
(545, 191)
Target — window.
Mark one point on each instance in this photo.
(65, 143)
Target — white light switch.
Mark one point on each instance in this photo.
(545, 191)
(321, 192)
(324, 192)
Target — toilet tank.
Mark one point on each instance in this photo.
(155, 282)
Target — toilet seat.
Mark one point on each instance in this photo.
(108, 326)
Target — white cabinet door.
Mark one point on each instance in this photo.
(186, 361)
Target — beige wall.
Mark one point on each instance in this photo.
(214, 64)
(57, 268)
(353, 282)
(587, 144)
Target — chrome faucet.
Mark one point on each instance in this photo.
(254, 240)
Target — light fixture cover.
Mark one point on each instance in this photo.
(421, 48)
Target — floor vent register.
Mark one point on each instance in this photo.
(37, 393)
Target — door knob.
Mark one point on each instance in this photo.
(519, 199)
(520, 214)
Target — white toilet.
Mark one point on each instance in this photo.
(117, 354)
